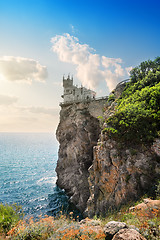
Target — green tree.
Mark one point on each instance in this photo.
(137, 115)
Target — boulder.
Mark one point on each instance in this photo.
(141, 206)
(148, 205)
(152, 203)
(111, 228)
(128, 234)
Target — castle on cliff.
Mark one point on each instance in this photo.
(73, 93)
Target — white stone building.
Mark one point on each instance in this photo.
(73, 93)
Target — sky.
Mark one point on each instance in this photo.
(98, 42)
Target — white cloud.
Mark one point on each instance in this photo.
(113, 71)
(128, 69)
(69, 49)
(7, 100)
(22, 69)
(14, 118)
(44, 110)
(41, 110)
(108, 62)
(91, 68)
(58, 84)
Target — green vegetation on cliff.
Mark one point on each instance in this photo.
(137, 115)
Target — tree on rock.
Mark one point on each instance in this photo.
(137, 115)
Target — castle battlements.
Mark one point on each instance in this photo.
(73, 93)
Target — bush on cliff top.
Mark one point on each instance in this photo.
(137, 115)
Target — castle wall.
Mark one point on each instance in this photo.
(73, 93)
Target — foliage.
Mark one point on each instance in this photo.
(9, 216)
(149, 223)
(62, 228)
(111, 97)
(78, 232)
(66, 228)
(30, 229)
(137, 115)
(144, 68)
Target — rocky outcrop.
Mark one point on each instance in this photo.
(77, 133)
(148, 205)
(105, 175)
(119, 174)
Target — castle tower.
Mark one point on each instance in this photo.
(68, 89)
(74, 94)
(67, 83)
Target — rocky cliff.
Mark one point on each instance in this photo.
(120, 172)
(77, 133)
(104, 175)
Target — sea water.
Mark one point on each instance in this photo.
(27, 173)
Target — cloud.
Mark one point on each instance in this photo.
(14, 118)
(7, 100)
(108, 62)
(22, 69)
(42, 110)
(128, 69)
(58, 83)
(91, 67)
(113, 71)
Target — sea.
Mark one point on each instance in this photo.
(27, 173)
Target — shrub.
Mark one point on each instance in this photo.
(32, 229)
(9, 216)
(48, 227)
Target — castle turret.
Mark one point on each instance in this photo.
(72, 93)
(67, 83)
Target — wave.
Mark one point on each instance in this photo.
(44, 180)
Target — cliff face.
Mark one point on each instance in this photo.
(119, 172)
(104, 175)
(77, 133)
(118, 175)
